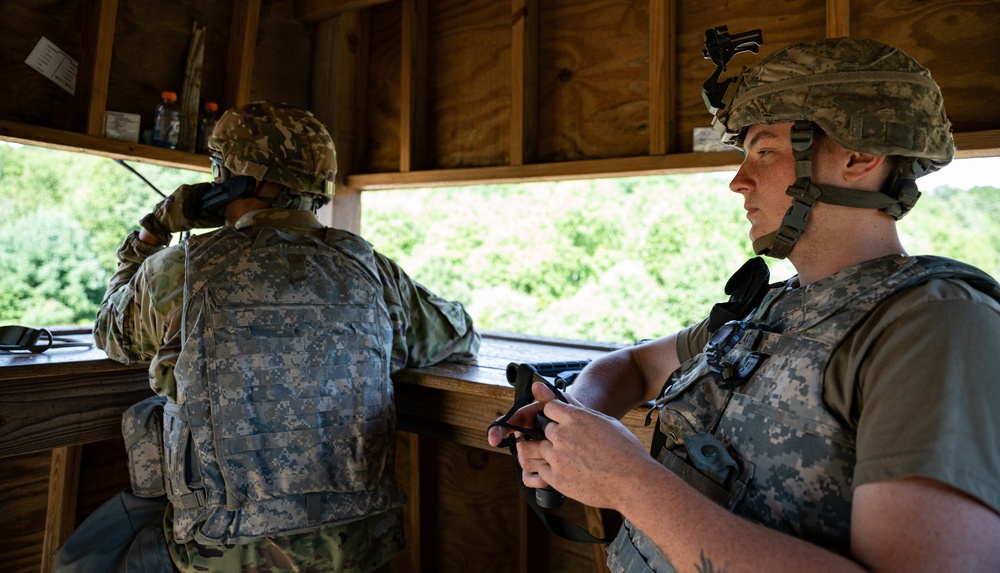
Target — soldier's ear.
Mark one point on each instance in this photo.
(858, 165)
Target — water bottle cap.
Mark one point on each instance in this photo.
(211, 106)
(169, 95)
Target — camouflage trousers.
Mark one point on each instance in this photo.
(131, 534)
(363, 546)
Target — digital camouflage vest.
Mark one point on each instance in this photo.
(284, 419)
(744, 421)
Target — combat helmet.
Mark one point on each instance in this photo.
(280, 143)
(867, 96)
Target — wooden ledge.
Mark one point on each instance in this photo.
(70, 397)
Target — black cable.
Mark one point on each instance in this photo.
(139, 175)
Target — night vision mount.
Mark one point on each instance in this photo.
(720, 47)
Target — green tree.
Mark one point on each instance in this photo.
(49, 273)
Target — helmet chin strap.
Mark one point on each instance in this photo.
(896, 198)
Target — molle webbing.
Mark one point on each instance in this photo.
(284, 410)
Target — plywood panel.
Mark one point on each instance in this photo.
(150, 53)
(593, 75)
(24, 490)
(381, 151)
(478, 496)
(469, 88)
(782, 23)
(28, 96)
(283, 61)
(956, 40)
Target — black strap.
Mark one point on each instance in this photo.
(522, 376)
(22, 338)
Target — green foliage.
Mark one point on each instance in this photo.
(613, 260)
(48, 274)
(62, 217)
(529, 258)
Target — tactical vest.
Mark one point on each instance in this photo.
(284, 418)
(744, 421)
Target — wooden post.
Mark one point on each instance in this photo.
(338, 99)
(838, 18)
(413, 87)
(95, 65)
(524, 82)
(662, 76)
(242, 45)
(60, 515)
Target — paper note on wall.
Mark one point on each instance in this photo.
(54, 64)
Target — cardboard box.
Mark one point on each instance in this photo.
(123, 126)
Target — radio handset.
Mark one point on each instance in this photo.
(214, 200)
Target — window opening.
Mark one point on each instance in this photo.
(610, 260)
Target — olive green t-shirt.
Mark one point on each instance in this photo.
(918, 383)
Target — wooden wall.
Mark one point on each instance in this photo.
(594, 73)
(469, 519)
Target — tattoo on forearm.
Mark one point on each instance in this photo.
(706, 565)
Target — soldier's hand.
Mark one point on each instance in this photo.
(181, 211)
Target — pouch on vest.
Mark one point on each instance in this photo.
(142, 429)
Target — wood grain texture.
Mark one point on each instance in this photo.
(662, 75)
(413, 86)
(95, 65)
(339, 100)
(282, 63)
(60, 515)
(593, 97)
(468, 83)
(323, 9)
(382, 128)
(524, 82)
(24, 490)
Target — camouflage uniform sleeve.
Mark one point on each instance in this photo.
(138, 320)
(426, 328)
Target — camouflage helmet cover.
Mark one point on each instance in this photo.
(867, 96)
(279, 143)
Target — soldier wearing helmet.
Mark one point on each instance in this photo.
(842, 419)
(269, 444)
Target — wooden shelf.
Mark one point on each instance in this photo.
(974, 144)
(969, 145)
(113, 148)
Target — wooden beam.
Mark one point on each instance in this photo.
(424, 502)
(308, 10)
(586, 169)
(242, 47)
(60, 513)
(595, 527)
(524, 82)
(662, 75)
(413, 87)
(339, 100)
(977, 144)
(838, 18)
(94, 68)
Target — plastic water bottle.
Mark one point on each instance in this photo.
(167, 122)
(206, 124)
